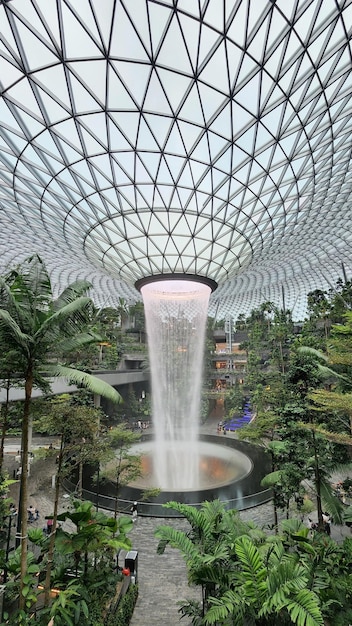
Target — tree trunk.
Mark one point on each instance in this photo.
(23, 504)
(317, 485)
(50, 557)
(276, 519)
(116, 499)
(80, 480)
(4, 412)
(282, 358)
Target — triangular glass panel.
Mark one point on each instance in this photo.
(160, 127)
(174, 41)
(103, 165)
(9, 73)
(246, 140)
(175, 86)
(159, 18)
(118, 96)
(211, 100)
(135, 77)
(78, 43)
(117, 141)
(145, 140)
(53, 81)
(163, 172)
(175, 164)
(215, 72)
(68, 132)
(216, 144)
(141, 174)
(237, 30)
(92, 146)
(125, 42)
(151, 162)
(127, 123)
(190, 30)
(103, 14)
(155, 100)
(174, 143)
(201, 151)
(192, 108)
(23, 95)
(93, 75)
(248, 96)
(222, 124)
(37, 54)
(190, 134)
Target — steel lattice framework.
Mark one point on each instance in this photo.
(207, 137)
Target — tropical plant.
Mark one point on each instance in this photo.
(246, 576)
(266, 589)
(207, 548)
(123, 467)
(78, 428)
(96, 534)
(70, 606)
(38, 327)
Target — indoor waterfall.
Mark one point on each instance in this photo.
(176, 316)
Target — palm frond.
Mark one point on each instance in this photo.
(8, 300)
(34, 281)
(73, 291)
(285, 580)
(331, 502)
(94, 384)
(304, 609)
(327, 372)
(219, 552)
(71, 344)
(253, 570)
(294, 527)
(176, 539)
(347, 514)
(196, 518)
(313, 352)
(73, 315)
(230, 604)
(12, 330)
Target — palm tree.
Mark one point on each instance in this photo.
(207, 548)
(266, 589)
(246, 577)
(122, 310)
(37, 326)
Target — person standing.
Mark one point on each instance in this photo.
(134, 510)
(327, 523)
(31, 513)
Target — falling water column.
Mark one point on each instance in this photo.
(176, 314)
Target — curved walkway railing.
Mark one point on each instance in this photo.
(155, 509)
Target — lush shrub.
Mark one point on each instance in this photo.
(124, 612)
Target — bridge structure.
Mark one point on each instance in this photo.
(116, 378)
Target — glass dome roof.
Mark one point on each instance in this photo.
(205, 137)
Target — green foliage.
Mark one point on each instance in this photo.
(122, 466)
(246, 576)
(124, 612)
(96, 533)
(70, 606)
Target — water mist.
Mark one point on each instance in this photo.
(176, 315)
